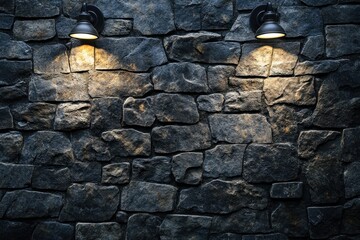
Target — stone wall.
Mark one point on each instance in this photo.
(178, 124)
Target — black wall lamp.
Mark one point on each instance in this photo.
(90, 23)
(264, 22)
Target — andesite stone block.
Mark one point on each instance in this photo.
(37, 8)
(216, 14)
(341, 14)
(314, 47)
(117, 27)
(351, 219)
(271, 236)
(10, 144)
(351, 180)
(210, 103)
(86, 172)
(7, 6)
(51, 59)
(247, 84)
(6, 119)
(255, 60)
(16, 230)
(72, 116)
(324, 221)
(139, 111)
(82, 56)
(15, 175)
(107, 230)
(243, 101)
(340, 40)
(286, 190)
(116, 173)
(350, 143)
(106, 113)
(64, 26)
(10, 49)
(12, 72)
(34, 30)
(316, 67)
(317, 3)
(188, 14)
(53, 230)
(186, 167)
(218, 77)
(143, 226)
(240, 30)
(51, 178)
(157, 169)
(284, 58)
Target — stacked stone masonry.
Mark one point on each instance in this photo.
(178, 124)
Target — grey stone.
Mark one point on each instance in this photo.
(135, 54)
(81, 57)
(12, 72)
(218, 77)
(148, 197)
(281, 90)
(128, 142)
(16, 230)
(341, 14)
(341, 40)
(176, 226)
(139, 112)
(343, 237)
(34, 30)
(324, 221)
(316, 67)
(90, 202)
(51, 178)
(217, 14)
(188, 14)
(64, 26)
(350, 143)
(247, 84)
(119, 84)
(122, 217)
(157, 169)
(225, 236)
(249, 5)
(53, 231)
(290, 219)
(51, 59)
(243, 221)
(30, 204)
(287, 190)
(219, 196)
(116, 173)
(86, 172)
(37, 8)
(71, 116)
(240, 128)
(272, 236)
(317, 3)
(243, 101)
(351, 219)
(47, 148)
(284, 58)
(224, 161)
(106, 113)
(33, 116)
(59, 88)
(15, 175)
(169, 139)
(6, 119)
(314, 47)
(175, 108)
(94, 231)
(10, 147)
(186, 168)
(180, 77)
(14, 49)
(270, 163)
(143, 226)
(117, 27)
(240, 30)
(14, 92)
(195, 47)
(7, 6)
(351, 180)
(211, 102)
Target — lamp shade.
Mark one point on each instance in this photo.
(270, 30)
(84, 30)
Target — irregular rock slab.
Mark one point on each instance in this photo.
(285, 56)
(64, 26)
(218, 77)
(211, 102)
(34, 30)
(15, 176)
(51, 59)
(351, 180)
(317, 3)
(53, 230)
(14, 92)
(81, 57)
(343, 13)
(116, 173)
(195, 47)
(128, 142)
(169, 139)
(240, 128)
(139, 112)
(351, 220)
(37, 8)
(295, 90)
(243, 101)
(51, 178)
(86, 172)
(90, 202)
(148, 197)
(224, 161)
(270, 163)
(136, 54)
(106, 113)
(324, 221)
(7, 6)
(339, 40)
(157, 169)
(350, 143)
(222, 197)
(289, 190)
(217, 14)
(240, 30)
(180, 77)
(30, 204)
(117, 27)
(93, 231)
(119, 84)
(72, 116)
(47, 148)
(176, 226)
(14, 49)
(10, 144)
(143, 226)
(247, 84)
(186, 168)
(6, 119)
(314, 47)
(249, 5)
(255, 60)
(188, 15)
(175, 108)
(228, 236)
(16, 230)
(316, 67)
(272, 236)
(243, 221)
(12, 72)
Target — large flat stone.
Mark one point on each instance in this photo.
(16, 230)
(53, 230)
(51, 59)
(72, 116)
(10, 145)
(51, 178)
(217, 14)
(341, 14)
(93, 231)
(255, 60)
(351, 219)
(6, 119)
(34, 30)
(106, 113)
(350, 143)
(249, 5)
(7, 6)
(157, 169)
(284, 58)
(186, 167)
(351, 180)
(317, 3)
(86, 172)
(210, 103)
(15, 175)
(316, 67)
(243, 101)
(240, 30)
(314, 47)
(12, 72)
(64, 26)
(81, 57)
(188, 15)
(116, 173)
(287, 190)
(37, 8)
(143, 226)
(139, 111)
(14, 49)
(218, 77)
(117, 27)
(340, 40)
(324, 221)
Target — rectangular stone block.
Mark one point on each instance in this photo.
(15, 175)
(286, 190)
(34, 30)
(341, 40)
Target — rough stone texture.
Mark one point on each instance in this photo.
(14, 92)
(143, 226)
(351, 180)
(157, 169)
(286, 190)
(6, 119)
(314, 47)
(186, 168)
(10, 147)
(324, 221)
(106, 113)
(222, 197)
(218, 77)
(247, 84)
(341, 40)
(81, 57)
(351, 219)
(30, 204)
(53, 230)
(216, 14)
(249, 5)
(224, 161)
(7, 6)
(281, 90)
(242, 128)
(211, 102)
(128, 142)
(34, 30)
(90, 202)
(270, 163)
(86, 172)
(71, 116)
(139, 112)
(341, 14)
(13, 72)
(272, 236)
(94, 231)
(51, 178)
(227, 236)
(117, 27)
(284, 58)
(16, 230)
(178, 226)
(47, 148)
(37, 8)
(121, 217)
(350, 143)
(15, 175)
(14, 49)
(318, 3)
(316, 67)
(64, 26)
(243, 101)
(175, 108)
(188, 14)
(116, 173)
(148, 197)
(180, 77)
(51, 59)
(170, 139)
(135, 54)
(240, 30)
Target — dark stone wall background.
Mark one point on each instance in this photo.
(178, 124)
